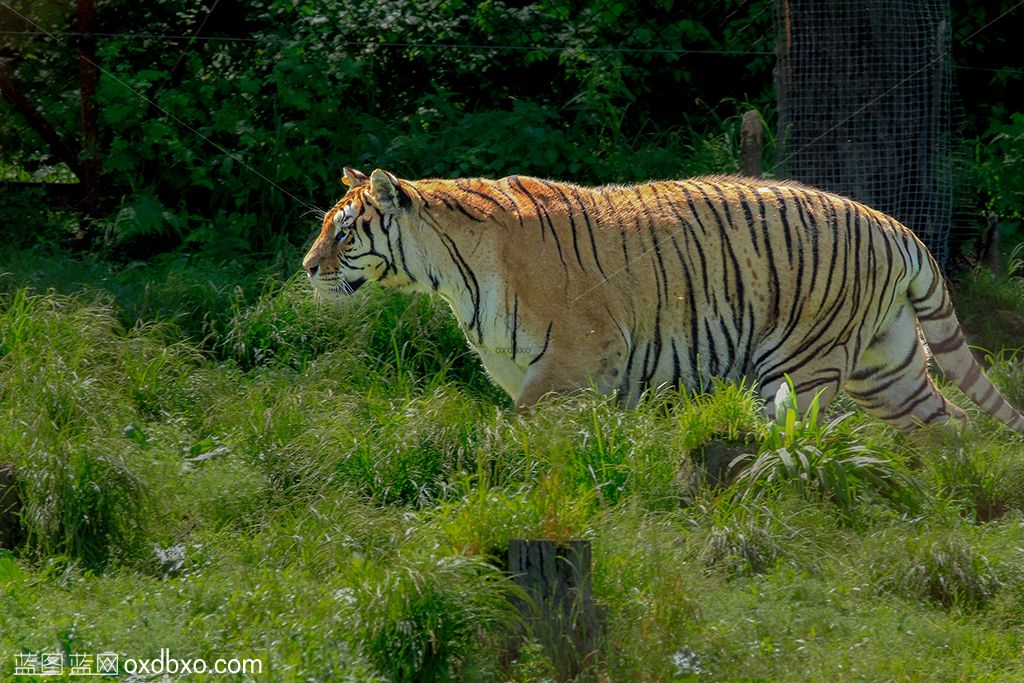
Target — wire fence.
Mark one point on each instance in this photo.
(865, 106)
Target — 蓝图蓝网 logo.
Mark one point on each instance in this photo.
(41, 664)
(60, 664)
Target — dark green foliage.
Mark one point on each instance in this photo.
(228, 146)
(998, 167)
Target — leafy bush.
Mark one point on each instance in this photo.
(998, 168)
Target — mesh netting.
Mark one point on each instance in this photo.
(864, 93)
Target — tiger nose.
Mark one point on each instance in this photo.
(312, 270)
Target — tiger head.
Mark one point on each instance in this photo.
(358, 241)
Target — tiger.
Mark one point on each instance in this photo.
(627, 288)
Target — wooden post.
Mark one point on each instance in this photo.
(560, 612)
(751, 144)
(989, 245)
(89, 78)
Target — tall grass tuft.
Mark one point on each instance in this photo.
(647, 575)
(395, 451)
(744, 539)
(940, 567)
(411, 342)
(992, 308)
(82, 502)
(62, 389)
(731, 412)
(484, 518)
(980, 476)
(423, 618)
(1006, 370)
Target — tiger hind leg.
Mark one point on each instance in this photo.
(891, 381)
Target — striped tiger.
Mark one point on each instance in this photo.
(625, 288)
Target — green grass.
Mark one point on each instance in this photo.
(212, 462)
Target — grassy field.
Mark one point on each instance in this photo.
(212, 464)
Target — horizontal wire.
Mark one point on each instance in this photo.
(374, 43)
(462, 46)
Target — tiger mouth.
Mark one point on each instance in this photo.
(337, 286)
(350, 286)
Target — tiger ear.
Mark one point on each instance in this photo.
(388, 192)
(354, 178)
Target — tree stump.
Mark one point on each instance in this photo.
(10, 507)
(559, 612)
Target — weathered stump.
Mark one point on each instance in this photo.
(559, 612)
(10, 507)
(711, 467)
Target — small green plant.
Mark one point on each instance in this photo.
(829, 460)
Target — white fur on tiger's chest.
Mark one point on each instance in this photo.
(505, 372)
(497, 348)
(496, 354)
